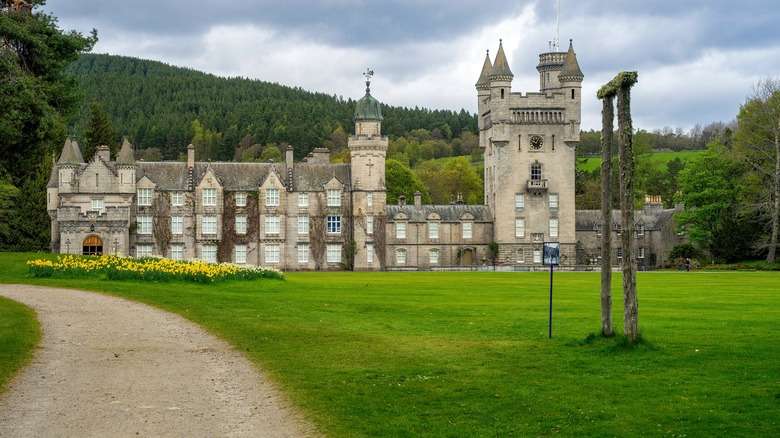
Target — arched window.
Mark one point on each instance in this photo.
(536, 171)
(93, 245)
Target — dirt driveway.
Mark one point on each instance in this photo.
(108, 367)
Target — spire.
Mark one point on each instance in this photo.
(501, 66)
(483, 81)
(125, 155)
(71, 154)
(571, 68)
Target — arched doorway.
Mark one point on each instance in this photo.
(93, 245)
(468, 257)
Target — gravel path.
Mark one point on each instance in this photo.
(108, 367)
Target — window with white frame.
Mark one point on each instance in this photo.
(303, 253)
(272, 253)
(369, 252)
(208, 252)
(519, 227)
(303, 199)
(433, 256)
(519, 201)
(552, 200)
(433, 230)
(334, 198)
(370, 224)
(177, 199)
(97, 205)
(369, 199)
(598, 229)
(520, 256)
(618, 229)
(303, 224)
(177, 252)
(144, 225)
(640, 253)
(241, 199)
(209, 197)
(143, 250)
(334, 224)
(271, 197)
(553, 227)
(620, 252)
(144, 197)
(241, 224)
(209, 225)
(467, 230)
(272, 224)
(240, 253)
(333, 253)
(400, 230)
(400, 257)
(536, 172)
(640, 229)
(177, 224)
(537, 255)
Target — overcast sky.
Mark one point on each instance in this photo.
(697, 59)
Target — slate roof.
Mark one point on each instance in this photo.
(308, 177)
(654, 219)
(448, 213)
(71, 154)
(571, 68)
(501, 65)
(483, 76)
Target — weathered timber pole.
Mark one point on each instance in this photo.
(607, 128)
(621, 87)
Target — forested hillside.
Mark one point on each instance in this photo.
(160, 106)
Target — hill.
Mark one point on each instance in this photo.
(155, 104)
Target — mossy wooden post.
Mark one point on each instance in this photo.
(607, 128)
(621, 87)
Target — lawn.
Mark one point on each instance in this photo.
(658, 158)
(467, 354)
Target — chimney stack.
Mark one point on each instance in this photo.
(190, 156)
(417, 200)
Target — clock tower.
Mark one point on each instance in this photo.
(529, 143)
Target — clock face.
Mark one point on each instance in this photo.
(536, 142)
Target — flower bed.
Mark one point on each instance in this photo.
(148, 269)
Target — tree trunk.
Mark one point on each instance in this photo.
(770, 257)
(625, 128)
(607, 123)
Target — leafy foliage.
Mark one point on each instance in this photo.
(402, 181)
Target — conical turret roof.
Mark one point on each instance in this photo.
(71, 154)
(125, 155)
(571, 68)
(500, 65)
(483, 80)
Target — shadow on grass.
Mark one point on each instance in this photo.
(617, 342)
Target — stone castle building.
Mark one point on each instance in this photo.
(317, 215)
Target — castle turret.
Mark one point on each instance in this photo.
(570, 78)
(483, 89)
(500, 81)
(125, 165)
(68, 165)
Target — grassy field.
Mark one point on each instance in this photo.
(19, 334)
(467, 354)
(659, 158)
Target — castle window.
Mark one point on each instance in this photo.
(536, 171)
(241, 199)
(144, 225)
(640, 253)
(334, 198)
(370, 224)
(502, 93)
(467, 230)
(271, 225)
(400, 257)
(620, 252)
(553, 201)
(271, 197)
(334, 224)
(369, 199)
(144, 197)
(143, 250)
(241, 224)
(240, 253)
(640, 229)
(97, 205)
(177, 251)
(433, 256)
(537, 255)
(333, 253)
(177, 224)
(303, 224)
(519, 201)
(572, 93)
(400, 230)
(553, 227)
(303, 199)
(519, 227)
(433, 230)
(209, 225)
(303, 253)
(272, 253)
(177, 199)
(520, 256)
(209, 197)
(208, 252)
(369, 252)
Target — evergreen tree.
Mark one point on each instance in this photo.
(100, 132)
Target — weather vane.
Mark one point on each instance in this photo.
(368, 75)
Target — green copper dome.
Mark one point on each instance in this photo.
(368, 108)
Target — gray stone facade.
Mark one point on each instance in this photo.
(317, 215)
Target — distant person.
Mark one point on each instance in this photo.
(687, 265)
(680, 264)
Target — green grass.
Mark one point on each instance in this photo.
(467, 354)
(19, 334)
(659, 158)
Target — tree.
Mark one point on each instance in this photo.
(401, 181)
(271, 152)
(711, 188)
(757, 141)
(36, 94)
(100, 132)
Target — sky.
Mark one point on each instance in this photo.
(697, 60)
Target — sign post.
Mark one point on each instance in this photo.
(551, 255)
